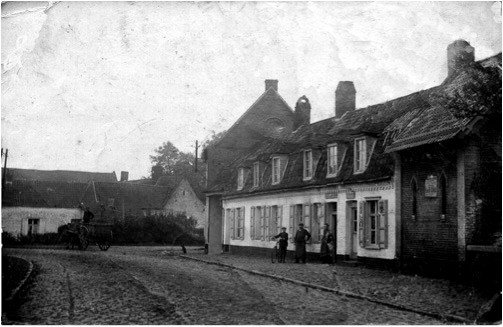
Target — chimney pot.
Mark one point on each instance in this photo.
(271, 83)
(124, 176)
(460, 54)
(345, 98)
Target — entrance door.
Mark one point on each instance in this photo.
(332, 221)
(353, 225)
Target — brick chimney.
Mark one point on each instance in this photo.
(124, 176)
(302, 112)
(345, 95)
(460, 54)
(271, 83)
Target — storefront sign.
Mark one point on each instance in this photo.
(331, 195)
(431, 187)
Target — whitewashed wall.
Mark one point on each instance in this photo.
(185, 200)
(324, 195)
(15, 219)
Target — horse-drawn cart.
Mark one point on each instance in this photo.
(82, 235)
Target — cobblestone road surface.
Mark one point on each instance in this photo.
(425, 294)
(149, 285)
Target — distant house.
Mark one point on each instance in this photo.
(38, 207)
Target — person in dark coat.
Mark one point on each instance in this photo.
(283, 243)
(88, 215)
(327, 245)
(300, 239)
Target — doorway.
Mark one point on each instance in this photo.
(353, 228)
(332, 221)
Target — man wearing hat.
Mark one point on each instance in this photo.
(300, 239)
(283, 243)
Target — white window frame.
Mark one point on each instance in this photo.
(33, 226)
(360, 157)
(332, 160)
(256, 176)
(307, 160)
(276, 171)
(241, 178)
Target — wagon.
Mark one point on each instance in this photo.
(84, 234)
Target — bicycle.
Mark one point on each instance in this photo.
(275, 253)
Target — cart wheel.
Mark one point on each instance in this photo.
(104, 245)
(83, 238)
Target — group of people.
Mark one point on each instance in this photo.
(302, 236)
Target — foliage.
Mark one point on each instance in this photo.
(40, 239)
(481, 96)
(164, 229)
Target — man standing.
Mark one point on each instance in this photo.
(88, 215)
(283, 243)
(300, 239)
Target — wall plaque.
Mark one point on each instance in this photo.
(350, 195)
(431, 187)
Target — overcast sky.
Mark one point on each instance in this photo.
(97, 86)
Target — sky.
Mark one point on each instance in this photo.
(97, 86)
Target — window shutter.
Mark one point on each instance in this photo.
(262, 225)
(242, 223)
(291, 221)
(361, 223)
(280, 220)
(383, 224)
(272, 223)
(252, 223)
(321, 220)
(315, 222)
(267, 223)
(231, 222)
(257, 222)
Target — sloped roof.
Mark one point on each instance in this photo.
(44, 194)
(403, 122)
(435, 123)
(59, 175)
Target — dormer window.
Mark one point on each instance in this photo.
(241, 178)
(360, 155)
(332, 160)
(308, 165)
(256, 174)
(276, 170)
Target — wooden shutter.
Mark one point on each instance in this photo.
(252, 223)
(280, 220)
(321, 219)
(315, 222)
(242, 223)
(230, 219)
(291, 221)
(257, 222)
(361, 223)
(267, 223)
(262, 223)
(383, 223)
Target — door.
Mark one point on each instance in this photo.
(332, 221)
(353, 225)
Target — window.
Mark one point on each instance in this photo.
(295, 218)
(373, 215)
(241, 178)
(443, 196)
(236, 222)
(308, 164)
(258, 222)
(413, 186)
(266, 216)
(332, 160)
(33, 226)
(360, 155)
(256, 171)
(276, 170)
(307, 217)
(252, 223)
(317, 222)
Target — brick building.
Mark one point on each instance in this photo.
(355, 171)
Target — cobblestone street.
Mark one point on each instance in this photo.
(150, 285)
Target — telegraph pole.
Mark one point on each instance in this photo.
(195, 165)
(5, 166)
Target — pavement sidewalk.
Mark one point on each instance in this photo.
(435, 296)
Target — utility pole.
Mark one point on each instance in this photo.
(5, 166)
(195, 165)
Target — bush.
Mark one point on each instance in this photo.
(164, 229)
(42, 239)
(8, 239)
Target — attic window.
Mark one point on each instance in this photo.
(308, 165)
(256, 172)
(332, 160)
(360, 155)
(241, 178)
(276, 170)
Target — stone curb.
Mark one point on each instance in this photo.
(435, 315)
(23, 281)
